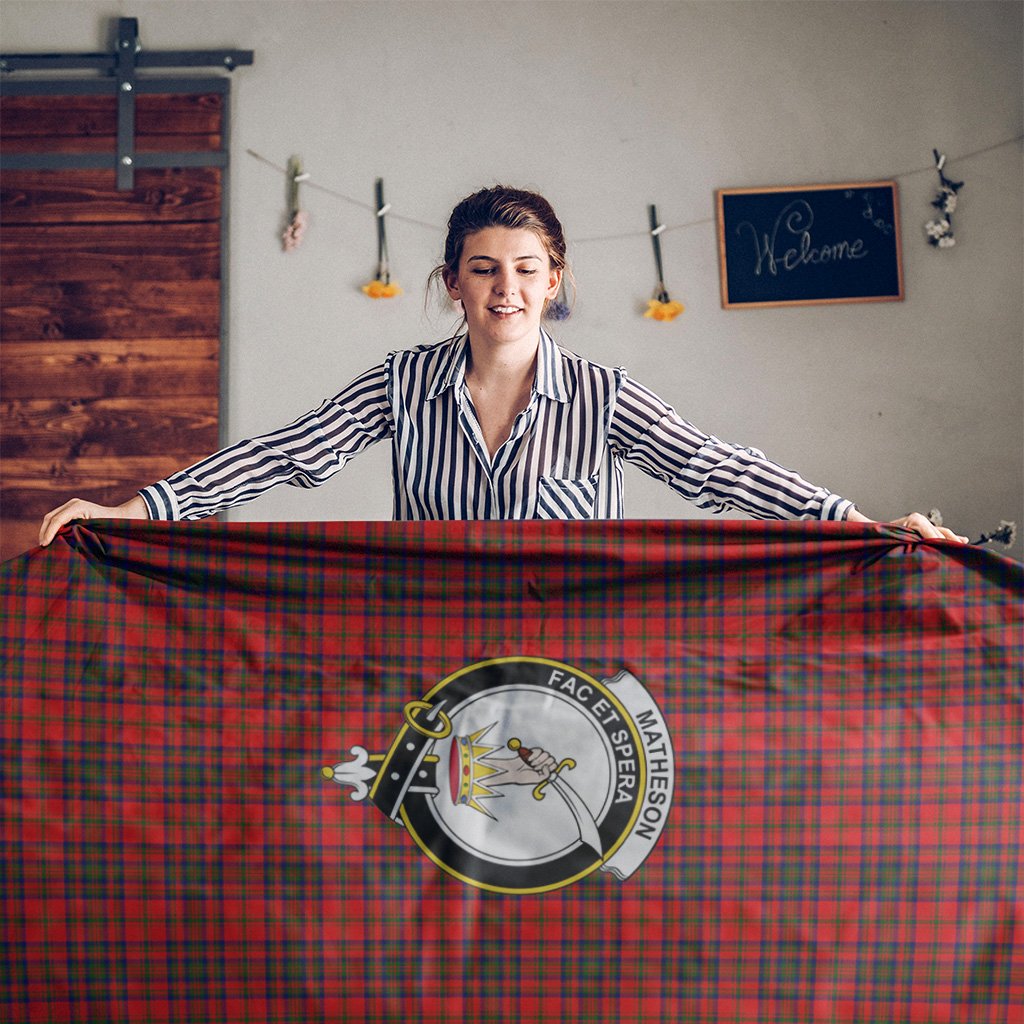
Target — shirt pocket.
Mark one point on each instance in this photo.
(566, 498)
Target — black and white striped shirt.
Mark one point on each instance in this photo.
(562, 460)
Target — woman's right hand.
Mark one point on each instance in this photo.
(76, 508)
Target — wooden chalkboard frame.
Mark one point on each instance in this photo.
(874, 206)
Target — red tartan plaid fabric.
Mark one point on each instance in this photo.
(306, 773)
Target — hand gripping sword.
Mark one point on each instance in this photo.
(585, 823)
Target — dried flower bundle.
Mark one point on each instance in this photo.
(298, 219)
(661, 307)
(940, 230)
(381, 287)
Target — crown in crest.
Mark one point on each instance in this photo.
(469, 768)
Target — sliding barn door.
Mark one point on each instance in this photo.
(110, 303)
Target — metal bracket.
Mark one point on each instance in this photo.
(123, 65)
(128, 46)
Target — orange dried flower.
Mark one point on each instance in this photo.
(664, 311)
(380, 290)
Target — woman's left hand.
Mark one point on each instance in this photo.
(918, 523)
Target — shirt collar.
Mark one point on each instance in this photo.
(549, 381)
(551, 376)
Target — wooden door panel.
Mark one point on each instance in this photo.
(104, 143)
(65, 121)
(81, 197)
(121, 309)
(111, 305)
(179, 367)
(106, 479)
(52, 429)
(97, 252)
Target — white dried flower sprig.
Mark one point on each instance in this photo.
(940, 233)
(940, 230)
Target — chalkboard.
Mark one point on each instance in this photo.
(814, 244)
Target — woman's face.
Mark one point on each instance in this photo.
(504, 280)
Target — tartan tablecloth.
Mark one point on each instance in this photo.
(627, 771)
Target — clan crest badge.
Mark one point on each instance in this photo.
(524, 775)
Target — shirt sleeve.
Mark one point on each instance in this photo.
(304, 453)
(711, 473)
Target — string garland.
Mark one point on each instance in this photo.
(660, 308)
(311, 183)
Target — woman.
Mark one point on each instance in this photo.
(496, 423)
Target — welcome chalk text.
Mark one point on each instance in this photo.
(795, 221)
